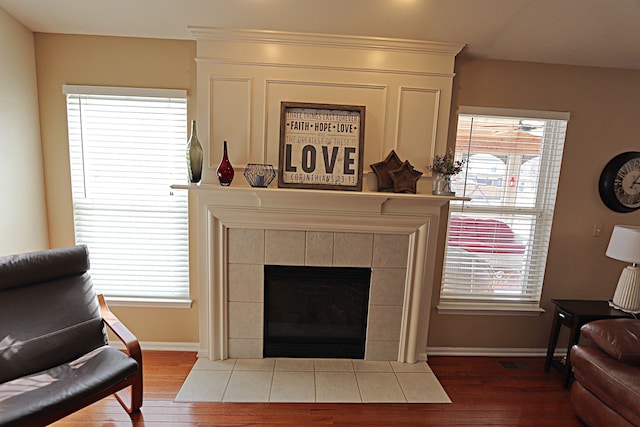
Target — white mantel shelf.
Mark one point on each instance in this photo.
(262, 190)
(328, 200)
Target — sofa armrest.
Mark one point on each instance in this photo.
(134, 351)
(619, 338)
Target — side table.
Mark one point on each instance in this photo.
(573, 314)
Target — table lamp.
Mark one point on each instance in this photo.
(625, 246)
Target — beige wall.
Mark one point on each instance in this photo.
(23, 223)
(605, 107)
(108, 61)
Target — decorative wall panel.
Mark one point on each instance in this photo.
(243, 75)
(230, 118)
(417, 124)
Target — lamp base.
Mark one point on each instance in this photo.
(627, 294)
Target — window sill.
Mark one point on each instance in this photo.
(489, 309)
(149, 302)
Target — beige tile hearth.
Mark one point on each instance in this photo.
(311, 380)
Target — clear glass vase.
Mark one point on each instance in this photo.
(442, 185)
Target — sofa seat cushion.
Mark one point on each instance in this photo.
(26, 399)
(613, 382)
(619, 338)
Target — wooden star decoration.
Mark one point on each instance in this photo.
(405, 178)
(383, 171)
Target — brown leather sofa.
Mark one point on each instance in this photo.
(606, 366)
(54, 352)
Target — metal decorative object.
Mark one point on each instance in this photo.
(442, 185)
(259, 174)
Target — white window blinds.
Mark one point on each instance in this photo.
(497, 243)
(126, 148)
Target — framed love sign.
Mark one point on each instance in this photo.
(321, 146)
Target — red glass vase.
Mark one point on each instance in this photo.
(225, 170)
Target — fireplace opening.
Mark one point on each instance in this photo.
(315, 311)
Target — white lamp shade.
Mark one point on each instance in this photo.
(627, 294)
(625, 244)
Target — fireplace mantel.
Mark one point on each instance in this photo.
(222, 208)
(326, 200)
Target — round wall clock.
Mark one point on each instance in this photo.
(620, 182)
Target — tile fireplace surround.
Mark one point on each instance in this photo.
(240, 229)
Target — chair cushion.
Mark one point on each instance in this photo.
(619, 338)
(41, 266)
(25, 400)
(49, 314)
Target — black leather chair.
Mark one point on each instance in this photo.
(54, 352)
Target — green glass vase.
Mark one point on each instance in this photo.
(194, 156)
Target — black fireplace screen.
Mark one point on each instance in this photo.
(315, 311)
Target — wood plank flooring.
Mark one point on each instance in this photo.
(485, 391)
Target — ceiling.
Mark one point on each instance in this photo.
(578, 32)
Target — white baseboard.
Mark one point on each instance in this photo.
(161, 346)
(431, 351)
(492, 351)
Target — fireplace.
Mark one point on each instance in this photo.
(315, 311)
(243, 229)
(251, 252)
(241, 84)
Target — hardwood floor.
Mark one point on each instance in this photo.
(485, 391)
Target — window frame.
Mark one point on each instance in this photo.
(544, 206)
(181, 299)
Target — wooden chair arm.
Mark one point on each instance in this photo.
(120, 330)
(133, 402)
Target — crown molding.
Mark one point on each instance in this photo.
(325, 40)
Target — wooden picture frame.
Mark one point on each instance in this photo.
(321, 146)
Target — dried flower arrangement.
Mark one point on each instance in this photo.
(446, 164)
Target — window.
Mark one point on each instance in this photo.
(497, 242)
(126, 148)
